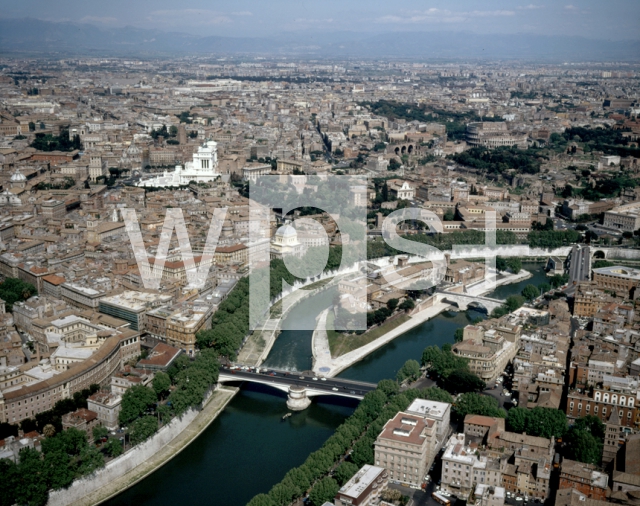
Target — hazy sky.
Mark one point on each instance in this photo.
(601, 19)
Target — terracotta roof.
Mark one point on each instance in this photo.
(54, 280)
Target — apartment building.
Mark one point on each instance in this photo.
(602, 402)
(80, 296)
(585, 478)
(406, 447)
(48, 387)
(439, 412)
(132, 306)
(621, 280)
(488, 351)
(364, 488)
(625, 218)
(177, 325)
(463, 466)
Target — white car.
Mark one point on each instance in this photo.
(334, 389)
(323, 379)
(518, 498)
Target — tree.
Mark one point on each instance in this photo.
(592, 424)
(388, 387)
(362, 453)
(261, 500)
(449, 215)
(530, 292)
(13, 290)
(407, 304)
(99, 432)
(442, 361)
(135, 401)
(410, 370)
(458, 335)
(283, 492)
(462, 380)
(143, 428)
(590, 235)
(544, 287)
(8, 429)
(385, 192)
(517, 419)
(558, 280)
(49, 430)
(435, 394)
(89, 460)
(546, 422)
(582, 446)
(33, 489)
(161, 384)
(113, 448)
(323, 491)
(9, 482)
(477, 404)
(392, 304)
(344, 472)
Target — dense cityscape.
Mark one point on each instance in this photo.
(470, 336)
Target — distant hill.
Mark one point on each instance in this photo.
(32, 36)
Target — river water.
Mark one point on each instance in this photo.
(248, 449)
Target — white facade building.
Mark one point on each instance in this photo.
(202, 169)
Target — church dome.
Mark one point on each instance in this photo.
(286, 231)
(133, 150)
(17, 177)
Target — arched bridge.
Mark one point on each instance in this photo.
(299, 386)
(465, 301)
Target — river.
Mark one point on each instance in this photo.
(248, 449)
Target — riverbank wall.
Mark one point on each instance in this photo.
(140, 461)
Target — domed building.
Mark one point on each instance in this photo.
(285, 242)
(9, 199)
(18, 180)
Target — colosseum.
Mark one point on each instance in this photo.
(494, 135)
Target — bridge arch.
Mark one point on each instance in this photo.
(599, 254)
(478, 306)
(454, 303)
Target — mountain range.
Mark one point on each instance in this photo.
(34, 37)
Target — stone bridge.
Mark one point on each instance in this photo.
(300, 387)
(466, 301)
